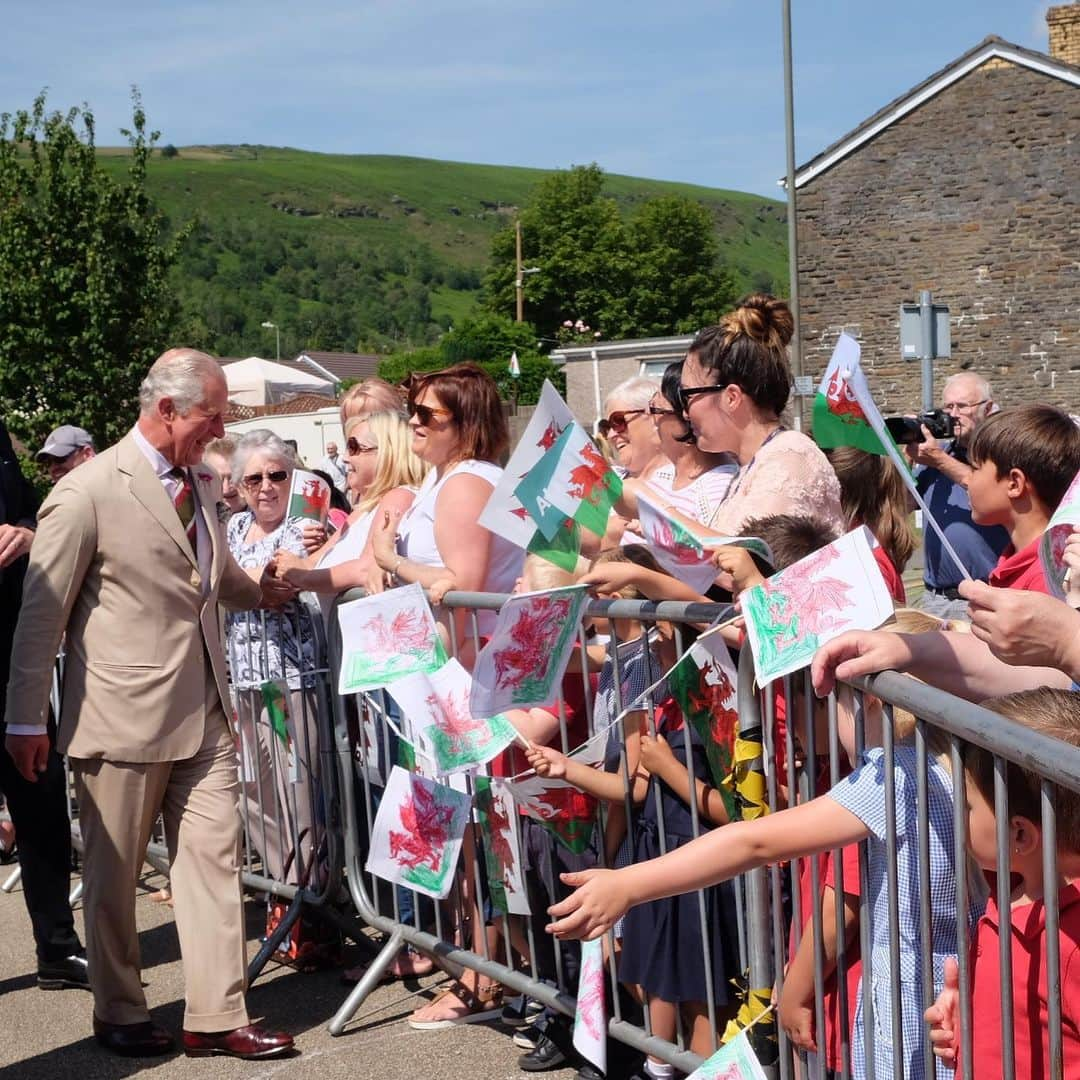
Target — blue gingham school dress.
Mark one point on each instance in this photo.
(863, 793)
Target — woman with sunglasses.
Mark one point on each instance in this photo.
(274, 646)
(690, 481)
(459, 429)
(382, 475)
(735, 384)
(629, 427)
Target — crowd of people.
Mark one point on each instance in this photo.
(153, 695)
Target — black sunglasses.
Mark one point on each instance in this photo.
(687, 393)
(425, 413)
(618, 421)
(657, 410)
(254, 480)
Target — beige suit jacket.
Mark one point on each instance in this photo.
(112, 566)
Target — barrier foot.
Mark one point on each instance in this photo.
(76, 894)
(376, 970)
(269, 946)
(14, 878)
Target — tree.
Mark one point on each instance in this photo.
(85, 305)
(489, 340)
(656, 274)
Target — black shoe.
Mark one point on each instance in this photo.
(546, 1056)
(69, 971)
(521, 1012)
(589, 1071)
(134, 1040)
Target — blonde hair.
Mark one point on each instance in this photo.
(370, 396)
(397, 465)
(541, 574)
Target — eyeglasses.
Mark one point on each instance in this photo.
(253, 481)
(355, 448)
(963, 406)
(658, 410)
(618, 421)
(688, 393)
(425, 413)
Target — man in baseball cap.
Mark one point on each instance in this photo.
(64, 449)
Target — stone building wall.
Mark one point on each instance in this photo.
(974, 195)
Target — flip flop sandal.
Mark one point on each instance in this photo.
(482, 1007)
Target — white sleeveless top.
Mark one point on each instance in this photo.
(417, 533)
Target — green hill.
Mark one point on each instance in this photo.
(342, 250)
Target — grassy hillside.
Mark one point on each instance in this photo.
(268, 215)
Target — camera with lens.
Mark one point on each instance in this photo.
(908, 429)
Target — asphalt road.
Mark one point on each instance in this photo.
(46, 1035)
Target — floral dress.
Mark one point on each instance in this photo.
(265, 645)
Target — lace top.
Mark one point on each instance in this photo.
(788, 475)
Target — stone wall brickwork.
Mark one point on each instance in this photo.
(974, 195)
(1064, 25)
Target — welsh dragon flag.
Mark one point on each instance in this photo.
(703, 683)
(844, 412)
(572, 480)
(275, 698)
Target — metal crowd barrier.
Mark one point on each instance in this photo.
(308, 816)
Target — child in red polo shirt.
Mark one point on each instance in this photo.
(1023, 461)
(1056, 713)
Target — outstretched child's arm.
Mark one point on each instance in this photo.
(601, 897)
(944, 1016)
(549, 762)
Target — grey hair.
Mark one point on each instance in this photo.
(180, 375)
(261, 441)
(636, 391)
(981, 384)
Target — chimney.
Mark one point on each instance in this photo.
(1064, 25)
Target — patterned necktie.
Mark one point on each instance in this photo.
(184, 501)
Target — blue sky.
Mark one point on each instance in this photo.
(686, 90)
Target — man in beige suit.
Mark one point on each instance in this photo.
(130, 559)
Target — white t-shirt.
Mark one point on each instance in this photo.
(417, 533)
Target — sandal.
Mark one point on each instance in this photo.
(408, 964)
(481, 1006)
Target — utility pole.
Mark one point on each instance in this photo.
(792, 230)
(519, 279)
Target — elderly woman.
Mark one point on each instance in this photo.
(735, 384)
(629, 428)
(271, 658)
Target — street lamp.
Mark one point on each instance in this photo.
(277, 333)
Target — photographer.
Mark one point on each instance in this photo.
(943, 473)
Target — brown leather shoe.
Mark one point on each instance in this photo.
(246, 1042)
(134, 1040)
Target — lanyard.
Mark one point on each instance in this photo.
(733, 489)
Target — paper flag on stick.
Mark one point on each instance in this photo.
(503, 514)
(524, 661)
(564, 811)
(590, 1019)
(417, 834)
(703, 683)
(502, 853)
(572, 480)
(850, 417)
(683, 553)
(437, 705)
(309, 497)
(836, 589)
(276, 698)
(735, 1060)
(386, 636)
(1052, 546)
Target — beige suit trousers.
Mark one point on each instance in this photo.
(198, 799)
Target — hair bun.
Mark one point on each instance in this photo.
(765, 319)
